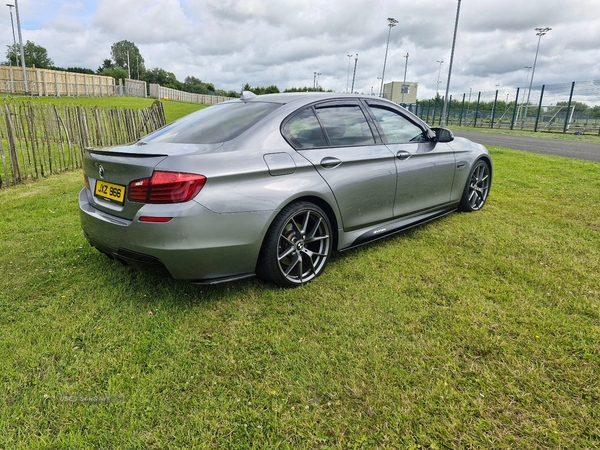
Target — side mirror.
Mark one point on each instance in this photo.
(443, 134)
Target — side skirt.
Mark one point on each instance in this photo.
(387, 229)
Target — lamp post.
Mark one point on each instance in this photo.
(437, 90)
(404, 82)
(354, 76)
(443, 118)
(348, 76)
(523, 101)
(540, 32)
(16, 5)
(391, 24)
(12, 23)
(315, 75)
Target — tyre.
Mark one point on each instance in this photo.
(297, 246)
(477, 188)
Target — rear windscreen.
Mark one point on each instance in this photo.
(218, 123)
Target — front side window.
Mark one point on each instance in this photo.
(215, 124)
(396, 128)
(345, 125)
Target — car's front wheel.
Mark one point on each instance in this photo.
(477, 188)
(297, 246)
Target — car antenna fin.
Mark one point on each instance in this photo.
(247, 96)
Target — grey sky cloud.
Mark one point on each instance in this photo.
(283, 42)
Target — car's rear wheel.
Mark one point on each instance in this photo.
(477, 188)
(297, 246)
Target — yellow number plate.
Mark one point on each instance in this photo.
(109, 191)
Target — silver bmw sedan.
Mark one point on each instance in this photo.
(270, 185)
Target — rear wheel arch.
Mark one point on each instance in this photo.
(298, 243)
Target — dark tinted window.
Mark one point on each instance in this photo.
(396, 128)
(345, 125)
(304, 131)
(214, 124)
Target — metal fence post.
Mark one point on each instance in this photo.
(512, 122)
(462, 110)
(537, 119)
(477, 110)
(566, 127)
(494, 109)
(448, 110)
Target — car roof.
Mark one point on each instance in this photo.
(307, 97)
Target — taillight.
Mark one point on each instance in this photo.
(166, 187)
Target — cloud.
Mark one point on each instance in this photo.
(283, 42)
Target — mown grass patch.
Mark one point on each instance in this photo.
(477, 330)
(173, 109)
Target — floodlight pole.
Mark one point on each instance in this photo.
(404, 82)
(392, 23)
(443, 118)
(348, 76)
(354, 76)
(437, 89)
(540, 32)
(21, 46)
(12, 23)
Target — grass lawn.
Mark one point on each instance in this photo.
(475, 331)
(173, 110)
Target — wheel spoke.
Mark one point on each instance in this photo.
(295, 261)
(286, 253)
(304, 246)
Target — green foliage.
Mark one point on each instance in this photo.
(118, 73)
(75, 70)
(595, 112)
(307, 89)
(579, 106)
(126, 54)
(259, 90)
(35, 55)
(106, 64)
(196, 86)
(162, 77)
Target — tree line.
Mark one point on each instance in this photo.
(126, 61)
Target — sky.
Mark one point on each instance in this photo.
(285, 42)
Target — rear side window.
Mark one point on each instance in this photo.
(345, 125)
(304, 130)
(215, 124)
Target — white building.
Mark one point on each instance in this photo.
(393, 91)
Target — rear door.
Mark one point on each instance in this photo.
(336, 137)
(425, 167)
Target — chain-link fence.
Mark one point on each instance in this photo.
(565, 107)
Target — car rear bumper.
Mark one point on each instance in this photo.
(196, 244)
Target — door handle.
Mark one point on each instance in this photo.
(402, 155)
(330, 163)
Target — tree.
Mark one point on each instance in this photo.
(118, 73)
(162, 77)
(595, 112)
(196, 86)
(106, 64)
(259, 90)
(127, 55)
(35, 55)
